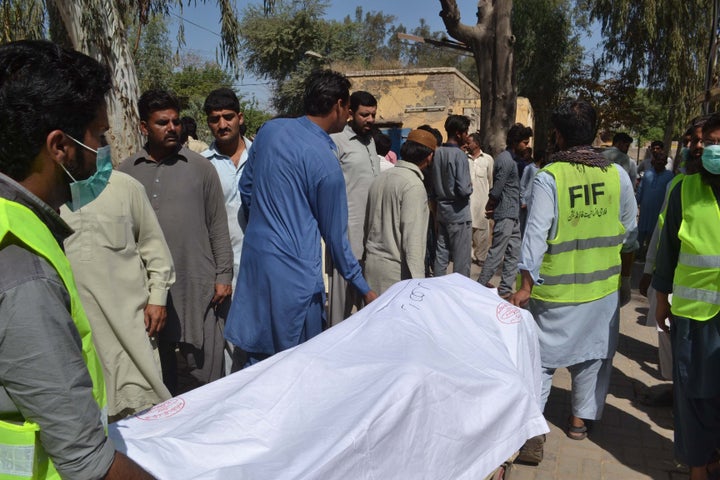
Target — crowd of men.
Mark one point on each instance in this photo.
(124, 287)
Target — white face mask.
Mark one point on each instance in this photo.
(85, 191)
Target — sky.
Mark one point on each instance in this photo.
(202, 27)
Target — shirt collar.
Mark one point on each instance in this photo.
(451, 145)
(410, 166)
(353, 135)
(13, 191)
(213, 152)
(144, 156)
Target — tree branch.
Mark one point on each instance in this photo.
(467, 34)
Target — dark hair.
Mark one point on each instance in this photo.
(711, 124)
(188, 128)
(414, 152)
(698, 122)
(657, 143)
(434, 131)
(540, 157)
(221, 99)
(576, 121)
(455, 124)
(362, 98)
(44, 87)
(382, 143)
(621, 137)
(154, 100)
(323, 88)
(517, 133)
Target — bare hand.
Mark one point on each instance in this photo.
(490, 208)
(662, 311)
(520, 298)
(645, 284)
(222, 292)
(370, 296)
(155, 316)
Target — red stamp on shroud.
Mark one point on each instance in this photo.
(164, 410)
(507, 313)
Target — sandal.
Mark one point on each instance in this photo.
(576, 433)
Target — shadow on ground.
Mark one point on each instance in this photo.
(628, 439)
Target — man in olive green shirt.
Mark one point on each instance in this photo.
(123, 270)
(397, 216)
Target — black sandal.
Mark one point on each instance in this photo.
(576, 433)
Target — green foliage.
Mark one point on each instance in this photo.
(546, 52)
(426, 55)
(153, 59)
(660, 45)
(276, 46)
(22, 19)
(362, 38)
(189, 77)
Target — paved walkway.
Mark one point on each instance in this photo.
(632, 441)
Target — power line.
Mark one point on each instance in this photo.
(195, 24)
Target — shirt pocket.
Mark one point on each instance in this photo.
(111, 233)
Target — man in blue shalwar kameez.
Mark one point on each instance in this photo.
(293, 192)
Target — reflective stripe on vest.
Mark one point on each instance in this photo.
(696, 284)
(598, 242)
(582, 262)
(21, 455)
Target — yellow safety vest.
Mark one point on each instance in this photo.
(696, 285)
(21, 455)
(661, 218)
(582, 262)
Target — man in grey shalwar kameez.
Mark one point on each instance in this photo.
(186, 195)
(582, 206)
(360, 165)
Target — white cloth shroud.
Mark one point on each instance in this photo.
(438, 379)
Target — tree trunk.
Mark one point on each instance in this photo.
(95, 27)
(492, 43)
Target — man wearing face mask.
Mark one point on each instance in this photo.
(692, 159)
(117, 236)
(52, 399)
(186, 195)
(687, 265)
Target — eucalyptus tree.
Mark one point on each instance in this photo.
(492, 44)
(663, 46)
(99, 29)
(547, 55)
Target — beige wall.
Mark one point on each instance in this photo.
(413, 97)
